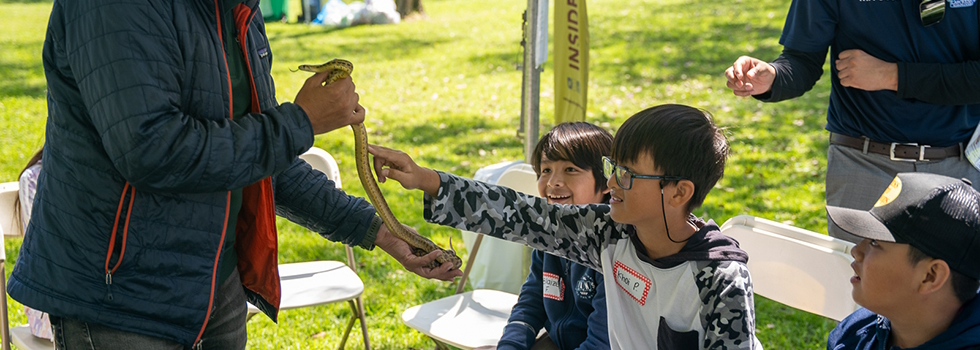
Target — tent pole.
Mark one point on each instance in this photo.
(531, 81)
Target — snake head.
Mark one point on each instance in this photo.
(447, 255)
(450, 255)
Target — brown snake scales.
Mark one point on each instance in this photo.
(339, 69)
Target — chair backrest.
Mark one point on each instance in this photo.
(9, 222)
(521, 178)
(322, 160)
(799, 268)
(507, 265)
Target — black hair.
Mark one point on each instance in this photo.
(682, 140)
(581, 143)
(964, 287)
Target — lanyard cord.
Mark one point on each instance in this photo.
(664, 212)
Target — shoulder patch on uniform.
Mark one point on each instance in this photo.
(961, 3)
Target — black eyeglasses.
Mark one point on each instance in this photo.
(624, 177)
(931, 11)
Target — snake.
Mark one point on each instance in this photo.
(338, 69)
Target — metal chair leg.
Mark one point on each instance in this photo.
(439, 345)
(350, 325)
(360, 315)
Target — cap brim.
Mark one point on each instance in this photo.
(860, 223)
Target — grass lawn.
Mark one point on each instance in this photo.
(446, 89)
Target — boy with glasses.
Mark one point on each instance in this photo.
(672, 280)
(917, 269)
(905, 88)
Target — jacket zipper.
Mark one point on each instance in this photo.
(112, 237)
(217, 255)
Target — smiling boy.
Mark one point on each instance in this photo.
(565, 298)
(672, 280)
(917, 269)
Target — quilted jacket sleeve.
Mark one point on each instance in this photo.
(144, 84)
(310, 199)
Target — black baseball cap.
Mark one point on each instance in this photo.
(936, 214)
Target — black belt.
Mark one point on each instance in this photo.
(908, 152)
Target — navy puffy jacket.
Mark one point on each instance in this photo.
(139, 159)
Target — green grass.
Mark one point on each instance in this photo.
(445, 89)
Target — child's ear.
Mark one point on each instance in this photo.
(936, 275)
(683, 191)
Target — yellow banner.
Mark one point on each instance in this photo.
(571, 60)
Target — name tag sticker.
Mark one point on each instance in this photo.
(632, 282)
(553, 288)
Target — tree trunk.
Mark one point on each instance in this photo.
(407, 7)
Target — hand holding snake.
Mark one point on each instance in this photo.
(338, 69)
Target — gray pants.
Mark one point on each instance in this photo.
(225, 330)
(856, 180)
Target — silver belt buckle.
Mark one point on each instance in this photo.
(922, 152)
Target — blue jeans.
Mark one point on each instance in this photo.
(225, 330)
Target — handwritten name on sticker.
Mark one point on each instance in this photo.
(553, 288)
(632, 282)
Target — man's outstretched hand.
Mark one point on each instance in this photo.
(402, 252)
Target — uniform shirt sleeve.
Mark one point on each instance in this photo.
(811, 25)
(575, 232)
(796, 73)
(944, 84)
(728, 314)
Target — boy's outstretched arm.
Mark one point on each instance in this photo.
(577, 233)
(398, 165)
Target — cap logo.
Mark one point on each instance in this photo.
(891, 193)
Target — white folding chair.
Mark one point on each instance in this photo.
(476, 318)
(795, 267)
(20, 336)
(314, 283)
(9, 221)
(503, 265)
